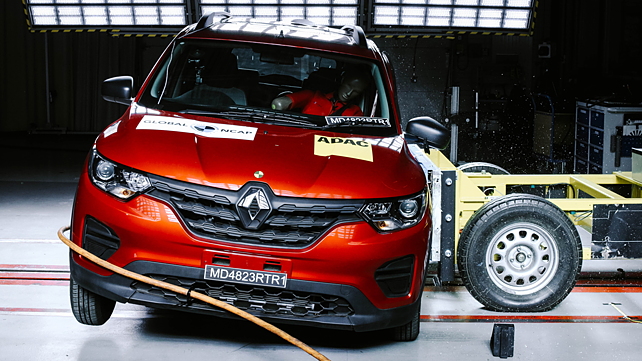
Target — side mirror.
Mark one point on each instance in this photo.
(118, 89)
(430, 131)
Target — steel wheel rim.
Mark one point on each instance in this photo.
(522, 258)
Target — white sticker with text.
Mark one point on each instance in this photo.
(205, 129)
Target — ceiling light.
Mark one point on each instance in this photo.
(386, 15)
(516, 19)
(78, 14)
(492, 3)
(413, 16)
(466, 17)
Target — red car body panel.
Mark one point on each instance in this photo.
(284, 154)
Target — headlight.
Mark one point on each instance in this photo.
(395, 214)
(105, 171)
(115, 179)
(408, 208)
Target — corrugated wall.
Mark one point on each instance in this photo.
(21, 70)
(76, 64)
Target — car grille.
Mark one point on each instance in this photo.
(264, 300)
(289, 222)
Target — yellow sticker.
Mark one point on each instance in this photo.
(344, 147)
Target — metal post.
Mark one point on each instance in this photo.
(47, 90)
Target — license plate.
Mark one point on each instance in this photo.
(244, 276)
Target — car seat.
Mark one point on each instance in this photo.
(221, 74)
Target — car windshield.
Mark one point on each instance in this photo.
(251, 82)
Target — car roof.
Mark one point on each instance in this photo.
(297, 33)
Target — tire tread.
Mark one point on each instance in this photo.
(409, 331)
(89, 308)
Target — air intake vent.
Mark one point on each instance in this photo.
(395, 277)
(99, 239)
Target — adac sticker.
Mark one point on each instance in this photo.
(210, 130)
(344, 147)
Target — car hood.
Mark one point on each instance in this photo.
(293, 161)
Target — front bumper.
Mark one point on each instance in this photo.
(361, 316)
(335, 273)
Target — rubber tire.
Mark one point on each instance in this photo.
(479, 167)
(544, 219)
(88, 307)
(409, 331)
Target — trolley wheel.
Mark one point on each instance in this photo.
(519, 253)
(88, 307)
(482, 167)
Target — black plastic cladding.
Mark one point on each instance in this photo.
(99, 239)
(395, 277)
(255, 298)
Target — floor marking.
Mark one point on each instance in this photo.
(33, 267)
(607, 289)
(134, 314)
(423, 318)
(27, 274)
(34, 275)
(524, 319)
(14, 240)
(34, 310)
(14, 282)
(612, 288)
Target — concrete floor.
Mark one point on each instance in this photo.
(37, 183)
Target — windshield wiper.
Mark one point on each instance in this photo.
(256, 115)
(270, 116)
(219, 114)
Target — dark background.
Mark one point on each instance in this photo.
(595, 53)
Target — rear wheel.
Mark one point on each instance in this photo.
(88, 307)
(519, 253)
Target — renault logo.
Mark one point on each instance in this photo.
(253, 208)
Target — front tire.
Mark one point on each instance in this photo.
(519, 253)
(409, 331)
(88, 307)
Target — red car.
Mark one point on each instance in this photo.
(314, 219)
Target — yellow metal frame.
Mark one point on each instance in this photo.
(476, 189)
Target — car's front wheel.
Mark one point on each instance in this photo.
(88, 307)
(410, 330)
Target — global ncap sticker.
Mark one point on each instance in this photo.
(344, 147)
(210, 130)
